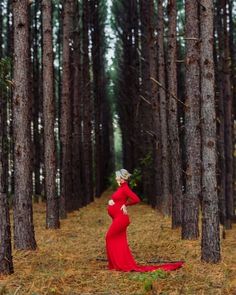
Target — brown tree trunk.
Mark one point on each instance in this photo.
(165, 161)
(6, 264)
(148, 67)
(210, 250)
(175, 153)
(58, 92)
(135, 88)
(23, 214)
(228, 120)
(98, 91)
(36, 100)
(4, 104)
(10, 127)
(220, 114)
(190, 228)
(52, 212)
(87, 111)
(77, 113)
(66, 120)
(232, 44)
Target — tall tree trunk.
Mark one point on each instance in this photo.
(23, 214)
(66, 120)
(232, 44)
(175, 153)
(77, 113)
(210, 215)
(98, 95)
(146, 105)
(10, 94)
(58, 90)
(165, 161)
(190, 228)
(220, 114)
(52, 212)
(228, 120)
(36, 100)
(87, 111)
(6, 264)
(135, 88)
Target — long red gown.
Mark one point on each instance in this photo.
(117, 248)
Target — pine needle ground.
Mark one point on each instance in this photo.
(71, 260)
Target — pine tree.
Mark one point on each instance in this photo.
(210, 215)
(87, 110)
(192, 124)
(52, 214)
(23, 213)
(6, 264)
(66, 110)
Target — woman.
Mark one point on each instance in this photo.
(118, 252)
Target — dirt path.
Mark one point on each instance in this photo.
(70, 261)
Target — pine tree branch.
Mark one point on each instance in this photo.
(171, 94)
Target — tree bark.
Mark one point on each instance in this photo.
(148, 90)
(77, 113)
(66, 120)
(52, 209)
(36, 101)
(23, 213)
(87, 111)
(165, 161)
(210, 249)
(98, 91)
(175, 153)
(6, 264)
(190, 228)
(228, 105)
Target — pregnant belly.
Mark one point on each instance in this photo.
(114, 210)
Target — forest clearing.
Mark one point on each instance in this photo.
(70, 260)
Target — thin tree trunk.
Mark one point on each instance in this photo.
(165, 161)
(146, 105)
(6, 264)
(10, 94)
(221, 115)
(76, 151)
(175, 153)
(190, 228)
(228, 121)
(232, 44)
(36, 98)
(87, 111)
(23, 213)
(210, 250)
(52, 211)
(66, 124)
(98, 97)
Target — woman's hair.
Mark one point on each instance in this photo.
(123, 173)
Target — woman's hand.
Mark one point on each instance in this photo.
(111, 202)
(124, 209)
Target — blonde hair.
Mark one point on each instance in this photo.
(123, 173)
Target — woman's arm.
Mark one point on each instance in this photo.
(133, 198)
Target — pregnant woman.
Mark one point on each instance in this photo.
(118, 252)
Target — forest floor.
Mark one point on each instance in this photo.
(71, 260)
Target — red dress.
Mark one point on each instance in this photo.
(118, 252)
